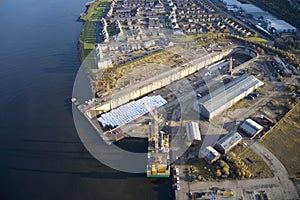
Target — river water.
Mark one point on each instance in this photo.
(41, 155)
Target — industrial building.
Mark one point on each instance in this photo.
(210, 154)
(279, 26)
(273, 25)
(193, 132)
(130, 111)
(223, 98)
(227, 142)
(251, 127)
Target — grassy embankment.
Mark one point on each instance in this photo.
(87, 38)
(284, 141)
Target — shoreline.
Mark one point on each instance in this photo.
(90, 38)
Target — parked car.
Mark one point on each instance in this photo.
(251, 97)
(256, 94)
(177, 171)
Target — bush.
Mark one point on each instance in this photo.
(218, 173)
(240, 168)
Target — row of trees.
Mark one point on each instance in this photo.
(291, 58)
(261, 47)
(289, 44)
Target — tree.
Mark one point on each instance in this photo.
(218, 173)
(223, 163)
(248, 174)
(225, 171)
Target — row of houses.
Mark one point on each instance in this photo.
(199, 17)
(128, 26)
(237, 27)
(133, 15)
(192, 16)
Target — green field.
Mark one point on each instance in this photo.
(257, 39)
(88, 33)
(95, 10)
(88, 37)
(284, 141)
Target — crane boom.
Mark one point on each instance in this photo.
(154, 129)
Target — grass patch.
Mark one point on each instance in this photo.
(88, 46)
(187, 38)
(256, 165)
(296, 51)
(201, 169)
(95, 10)
(257, 39)
(284, 141)
(88, 34)
(193, 37)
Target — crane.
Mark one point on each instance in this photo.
(154, 129)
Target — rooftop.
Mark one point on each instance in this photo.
(130, 111)
(229, 141)
(279, 24)
(193, 132)
(210, 153)
(230, 91)
(251, 127)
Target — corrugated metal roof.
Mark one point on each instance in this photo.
(193, 132)
(230, 91)
(130, 111)
(229, 141)
(251, 127)
(279, 24)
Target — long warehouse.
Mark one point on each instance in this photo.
(130, 111)
(223, 98)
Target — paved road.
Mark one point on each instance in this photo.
(278, 187)
(289, 189)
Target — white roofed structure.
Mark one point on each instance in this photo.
(130, 111)
(280, 26)
(251, 127)
(193, 132)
